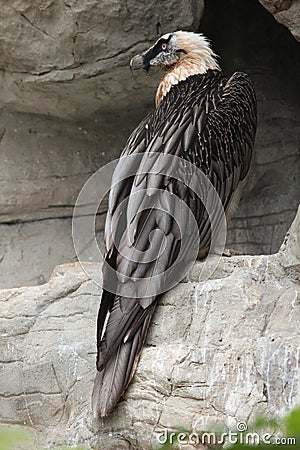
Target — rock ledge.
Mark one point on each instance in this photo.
(219, 351)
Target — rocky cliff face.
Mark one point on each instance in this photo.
(219, 352)
(69, 103)
(67, 58)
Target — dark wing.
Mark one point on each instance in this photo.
(209, 121)
(226, 141)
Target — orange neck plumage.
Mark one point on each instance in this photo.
(181, 71)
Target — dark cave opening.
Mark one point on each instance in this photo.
(249, 39)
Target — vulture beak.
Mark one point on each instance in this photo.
(136, 62)
(140, 61)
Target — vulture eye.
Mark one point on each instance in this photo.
(164, 46)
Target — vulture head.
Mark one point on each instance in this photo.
(177, 49)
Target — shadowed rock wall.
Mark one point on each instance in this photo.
(248, 39)
(285, 12)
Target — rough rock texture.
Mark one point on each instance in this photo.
(219, 351)
(44, 163)
(56, 156)
(62, 60)
(286, 12)
(67, 57)
(69, 103)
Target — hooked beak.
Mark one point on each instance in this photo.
(136, 62)
(139, 62)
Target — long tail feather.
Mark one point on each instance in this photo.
(112, 381)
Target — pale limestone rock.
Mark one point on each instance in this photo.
(290, 254)
(218, 352)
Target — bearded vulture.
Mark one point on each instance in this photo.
(207, 120)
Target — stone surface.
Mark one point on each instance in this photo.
(50, 242)
(67, 58)
(47, 241)
(44, 163)
(219, 351)
(287, 12)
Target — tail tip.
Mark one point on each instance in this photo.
(99, 409)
